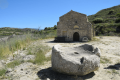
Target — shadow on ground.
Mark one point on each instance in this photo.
(65, 42)
(49, 74)
(116, 66)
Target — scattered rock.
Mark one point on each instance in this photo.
(28, 57)
(1, 64)
(79, 60)
(21, 69)
(9, 70)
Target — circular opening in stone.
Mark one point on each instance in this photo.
(78, 52)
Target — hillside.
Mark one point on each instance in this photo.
(105, 13)
(7, 31)
(106, 21)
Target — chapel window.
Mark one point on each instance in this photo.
(76, 22)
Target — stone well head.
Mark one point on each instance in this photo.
(80, 60)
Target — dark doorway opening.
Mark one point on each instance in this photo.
(75, 36)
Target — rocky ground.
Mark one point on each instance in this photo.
(109, 63)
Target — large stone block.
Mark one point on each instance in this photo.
(79, 60)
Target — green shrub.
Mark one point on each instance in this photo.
(117, 20)
(118, 14)
(106, 28)
(112, 16)
(2, 72)
(45, 28)
(108, 21)
(48, 28)
(55, 27)
(110, 29)
(111, 12)
(98, 20)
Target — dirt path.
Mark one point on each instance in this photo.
(110, 55)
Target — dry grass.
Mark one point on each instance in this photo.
(20, 42)
(14, 44)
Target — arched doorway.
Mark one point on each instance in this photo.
(75, 36)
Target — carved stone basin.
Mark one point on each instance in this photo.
(79, 60)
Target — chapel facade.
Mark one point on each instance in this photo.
(74, 26)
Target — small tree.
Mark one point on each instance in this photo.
(45, 28)
(55, 27)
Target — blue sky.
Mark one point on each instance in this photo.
(46, 13)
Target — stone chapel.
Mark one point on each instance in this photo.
(74, 26)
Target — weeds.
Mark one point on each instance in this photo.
(14, 63)
(20, 42)
(29, 53)
(95, 39)
(39, 52)
(108, 71)
(104, 60)
(114, 71)
(24, 48)
(2, 72)
(16, 43)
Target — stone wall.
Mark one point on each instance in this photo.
(74, 22)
